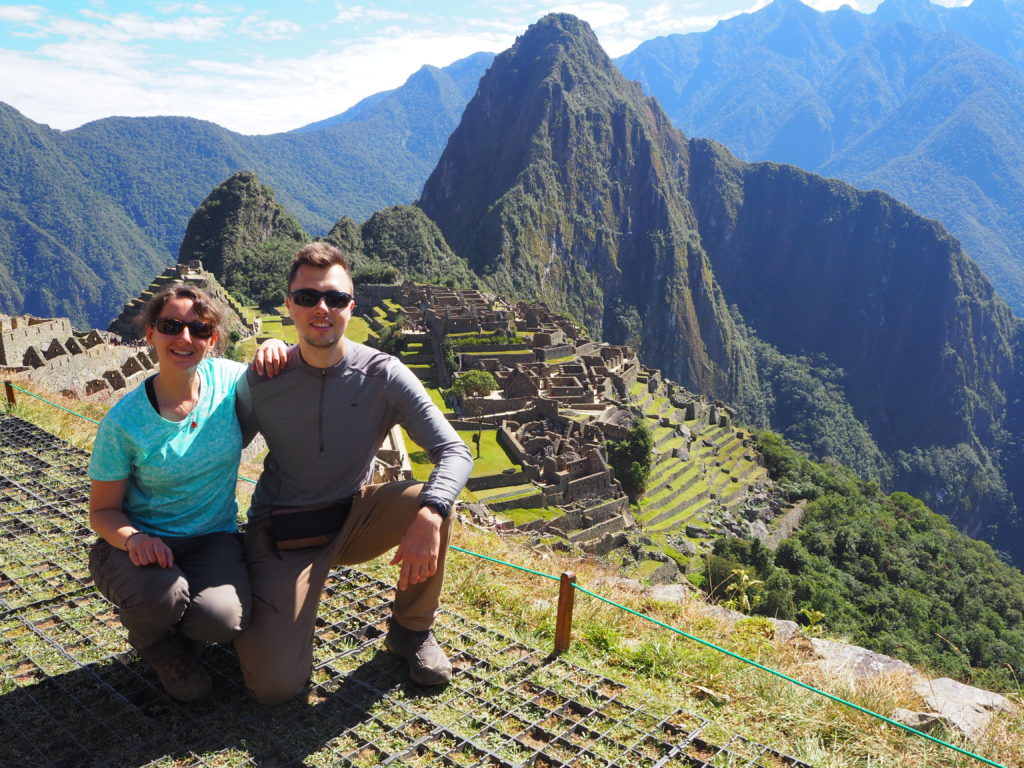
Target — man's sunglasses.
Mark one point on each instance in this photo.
(169, 326)
(310, 297)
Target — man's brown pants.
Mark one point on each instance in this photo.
(276, 650)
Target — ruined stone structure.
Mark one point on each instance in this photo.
(48, 354)
(126, 327)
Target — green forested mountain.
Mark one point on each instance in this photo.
(66, 248)
(854, 322)
(885, 572)
(403, 237)
(104, 207)
(921, 101)
(245, 238)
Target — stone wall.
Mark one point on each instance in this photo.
(17, 334)
(126, 324)
(56, 359)
(554, 352)
(483, 406)
(99, 371)
(496, 481)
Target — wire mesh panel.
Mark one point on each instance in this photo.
(72, 693)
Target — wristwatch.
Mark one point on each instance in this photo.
(440, 507)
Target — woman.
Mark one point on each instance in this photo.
(163, 474)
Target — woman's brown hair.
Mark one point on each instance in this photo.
(205, 307)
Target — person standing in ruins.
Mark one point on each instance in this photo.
(324, 419)
(163, 470)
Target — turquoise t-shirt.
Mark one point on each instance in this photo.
(181, 479)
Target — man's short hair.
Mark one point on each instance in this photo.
(320, 255)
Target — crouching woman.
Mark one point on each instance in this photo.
(163, 473)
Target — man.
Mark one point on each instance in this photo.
(324, 418)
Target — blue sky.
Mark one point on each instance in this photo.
(265, 66)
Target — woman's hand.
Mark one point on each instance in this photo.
(271, 358)
(108, 520)
(145, 549)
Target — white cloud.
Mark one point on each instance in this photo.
(167, 8)
(91, 78)
(128, 27)
(21, 14)
(621, 28)
(362, 13)
(597, 14)
(831, 5)
(186, 28)
(256, 26)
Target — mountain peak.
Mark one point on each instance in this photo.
(563, 182)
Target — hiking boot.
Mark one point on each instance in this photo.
(428, 664)
(180, 673)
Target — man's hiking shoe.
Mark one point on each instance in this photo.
(180, 673)
(428, 664)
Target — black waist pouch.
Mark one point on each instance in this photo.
(302, 527)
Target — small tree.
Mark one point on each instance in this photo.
(392, 339)
(474, 383)
(630, 459)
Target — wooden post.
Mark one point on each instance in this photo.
(566, 600)
(10, 394)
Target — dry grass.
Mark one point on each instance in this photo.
(734, 695)
(77, 431)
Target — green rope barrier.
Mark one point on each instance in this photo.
(49, 402)
(502, 562)
(82, 415)
(737, 656)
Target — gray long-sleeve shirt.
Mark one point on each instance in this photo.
(325, 425)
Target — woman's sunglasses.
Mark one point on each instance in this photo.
(310, 297)
(169, 326)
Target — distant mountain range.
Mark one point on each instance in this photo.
(838, 316)
(921, 101)
(102, 208)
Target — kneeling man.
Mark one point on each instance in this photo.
(324, 418)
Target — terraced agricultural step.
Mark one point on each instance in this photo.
(681, 518)
(662, 435)
(675, 468)
(677, 504)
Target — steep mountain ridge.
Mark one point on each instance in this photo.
(245, 238)
(897, 100)
(564, 182)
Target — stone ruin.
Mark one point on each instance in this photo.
(48, 354)
(126, 325)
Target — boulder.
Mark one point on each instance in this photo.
(859, 663)
(965, 708)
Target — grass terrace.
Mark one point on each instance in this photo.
(523, 516)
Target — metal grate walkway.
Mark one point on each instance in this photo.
(73, 694)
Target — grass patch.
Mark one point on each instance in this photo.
(358, 329)
(493, 459)
(438, 399)
(506, 492)
(520, 516)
